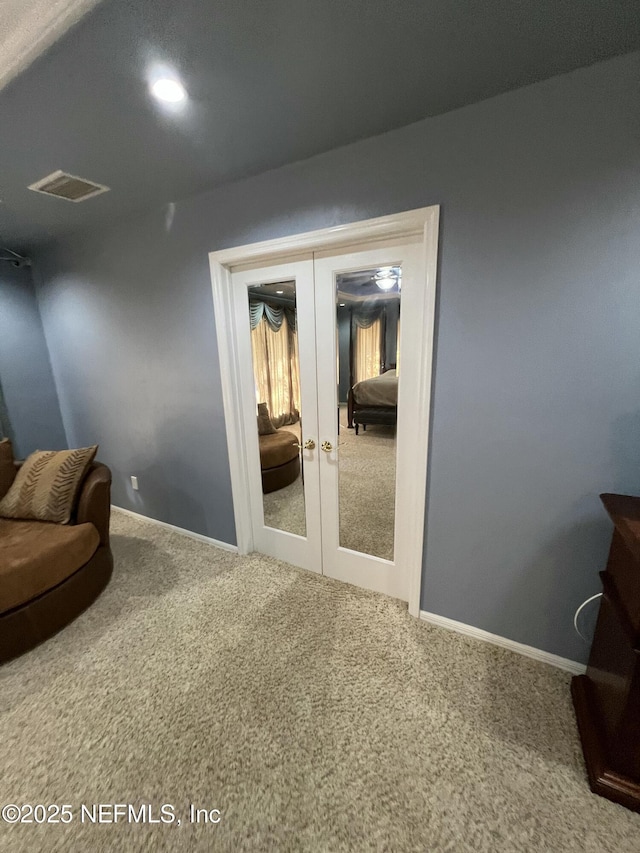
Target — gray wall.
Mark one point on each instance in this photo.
(31, 404)
(537, 377)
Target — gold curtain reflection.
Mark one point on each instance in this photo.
(277, 371)
(368, 351)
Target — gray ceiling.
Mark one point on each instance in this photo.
(29, 27)
(270, 82)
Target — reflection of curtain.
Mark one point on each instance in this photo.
(367, 313)
(368, 351)
(277, 370)
(273, 314)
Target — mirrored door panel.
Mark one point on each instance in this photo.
(368, 330)
(364, 406)
(276, 374)
(276, 350)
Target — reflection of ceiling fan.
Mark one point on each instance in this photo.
(388, 277)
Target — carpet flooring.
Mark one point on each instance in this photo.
(314, 715)
(366, 483)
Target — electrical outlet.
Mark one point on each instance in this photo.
(134, 483)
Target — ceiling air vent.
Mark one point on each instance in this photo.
(69, 187)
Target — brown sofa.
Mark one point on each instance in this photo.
(50, 573)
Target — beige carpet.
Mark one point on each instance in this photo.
(366, 483)
(314, 715)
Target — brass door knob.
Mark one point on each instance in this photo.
(308, 445)
(327, 446)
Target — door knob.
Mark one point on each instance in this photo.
(308, 445)
(327, 446)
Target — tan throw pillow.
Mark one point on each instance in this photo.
(7, 468)
(265, 427)
(47, 484)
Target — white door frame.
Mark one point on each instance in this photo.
(411, 457)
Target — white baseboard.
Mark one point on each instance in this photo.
(528, 651)
(199, 536)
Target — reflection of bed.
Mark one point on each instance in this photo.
(374, 401)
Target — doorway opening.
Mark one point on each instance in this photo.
(325, 343)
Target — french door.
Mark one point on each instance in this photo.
(286, 521)
(324, 347)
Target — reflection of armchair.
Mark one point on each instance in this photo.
(279, 460)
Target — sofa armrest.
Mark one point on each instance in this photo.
(94, 500)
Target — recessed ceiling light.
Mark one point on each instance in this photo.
(168, 89)
(342, 304)
(279, 291)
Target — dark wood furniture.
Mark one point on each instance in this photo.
(607, 698)
(359, 415)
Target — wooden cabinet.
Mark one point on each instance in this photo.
(607, 698)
